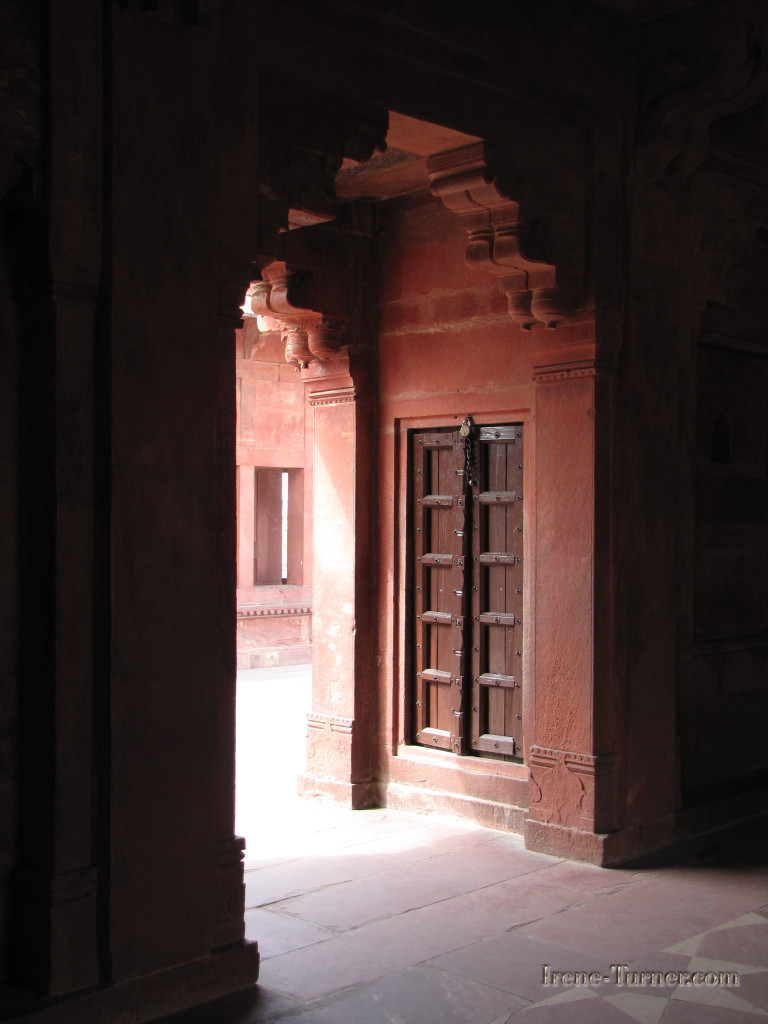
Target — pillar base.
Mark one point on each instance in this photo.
(143, 999)
(357, 796)
(603, 849)
(560, 841)
(55, 948)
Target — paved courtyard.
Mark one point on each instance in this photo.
(384, 917)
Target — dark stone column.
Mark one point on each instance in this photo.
(55, 938)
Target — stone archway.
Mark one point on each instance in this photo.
(561, 792)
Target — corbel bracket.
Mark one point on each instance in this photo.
(674, 138)
(308, 334)
(465, 183)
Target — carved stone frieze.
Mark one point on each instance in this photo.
(562, 785)
(496, 234)
(308, 334)
(336, 723)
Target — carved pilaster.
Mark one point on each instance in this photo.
(230, 891)
(308, 334)
(329, 744)
(496, 236)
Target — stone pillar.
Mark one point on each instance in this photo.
(338, 728)
(55, 939)
(55, 945)
(245, 525)
(572, 755)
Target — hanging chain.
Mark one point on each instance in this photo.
(466, 432)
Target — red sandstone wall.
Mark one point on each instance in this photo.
(274, 430)
(447, 349)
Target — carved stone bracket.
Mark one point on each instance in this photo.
(465, 183)
(724, 75)
(308, 335)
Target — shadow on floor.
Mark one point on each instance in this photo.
(380, 917)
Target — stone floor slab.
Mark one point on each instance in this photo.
(415, 995)
(407, 887)
(277, 934)
(648, 916)
(409, 939)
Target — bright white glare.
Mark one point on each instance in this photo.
(246, 306)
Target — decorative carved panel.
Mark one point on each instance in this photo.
(562, 786)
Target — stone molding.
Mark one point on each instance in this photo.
(464, 181)
(274, 609)
(584, 764)
(334, 723)
(577, 360)
(564, 374)
(334, 396)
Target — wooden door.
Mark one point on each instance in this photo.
(467, 571)
(497, 593)
(439, 565)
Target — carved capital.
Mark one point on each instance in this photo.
(308, 334)
(496, 235)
